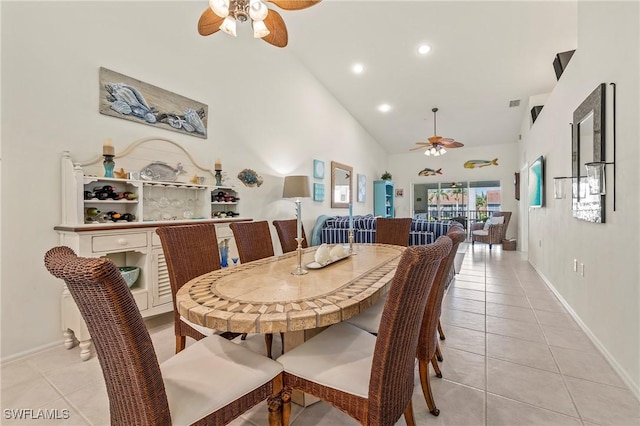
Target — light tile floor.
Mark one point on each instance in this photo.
(512, 356)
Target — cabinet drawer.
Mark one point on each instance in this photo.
(155, 239)
(118, 242)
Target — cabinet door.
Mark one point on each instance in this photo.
(160, 284)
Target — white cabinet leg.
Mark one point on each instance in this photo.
(69, 339)
(85, 350)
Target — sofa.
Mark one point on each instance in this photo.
(335, 229)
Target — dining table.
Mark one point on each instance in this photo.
(264, 296)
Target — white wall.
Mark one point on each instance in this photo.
(607, 298)
(266, 112)
(405, 168)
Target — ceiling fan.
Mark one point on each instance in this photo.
(267, 23)
(436, 144)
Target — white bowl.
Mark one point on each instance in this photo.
(130, 274)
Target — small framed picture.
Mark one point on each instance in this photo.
(318, 169)
(362, 188)
(399, 192)
(318, 192)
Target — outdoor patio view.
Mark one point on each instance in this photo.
(465, 202)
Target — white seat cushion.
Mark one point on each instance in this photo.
(480, 232)
(340, 357)
(210, 374)
(202, 329)
(369, 319)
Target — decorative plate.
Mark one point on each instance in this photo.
(159, 171)
(250, 178)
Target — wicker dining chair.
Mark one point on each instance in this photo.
(253, 240)
(287, 233)
(428, 348)
(189, 251)
(370, 378)
(393, 230)
(211, 382)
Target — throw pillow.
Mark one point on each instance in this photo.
(493, 220)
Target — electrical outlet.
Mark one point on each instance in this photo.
(582, 269)
(575, 265)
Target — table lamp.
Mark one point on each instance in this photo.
(297, 187)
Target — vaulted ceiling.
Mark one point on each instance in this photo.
(483, 55)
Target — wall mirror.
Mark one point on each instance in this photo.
(588, 145)
(341, 185)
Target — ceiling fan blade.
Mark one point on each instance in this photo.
(447, 140)
(454, 144)
(209, 22)
(294, 4)
(278, 35)
(418, 147)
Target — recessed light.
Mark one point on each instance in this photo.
(384, 107)
(424, 49)
(357, 68)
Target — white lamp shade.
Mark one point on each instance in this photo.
(229, 26)
(296, 187)
(220, 7)
(258, 10)
(259, 29)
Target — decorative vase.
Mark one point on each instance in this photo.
(109, 164)
(224, 253)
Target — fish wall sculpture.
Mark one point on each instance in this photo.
(429, 172)
(472, 164)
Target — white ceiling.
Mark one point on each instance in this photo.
(483, 55)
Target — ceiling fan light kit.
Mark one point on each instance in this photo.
(267, 24)
(436, 144)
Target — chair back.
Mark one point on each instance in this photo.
(428, 330)
(134, 382)
(392, 375)
(507, 217)
(189, 251)
(393, 230)
(287, 233)
(253, 240)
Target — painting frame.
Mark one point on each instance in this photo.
(362, 188)
(536, 183)
(318, 192)
(318, 169)
(131, 99)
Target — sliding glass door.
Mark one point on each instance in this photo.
(465, 202)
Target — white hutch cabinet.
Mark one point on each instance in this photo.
(98, 227)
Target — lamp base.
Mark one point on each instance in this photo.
(299, 269)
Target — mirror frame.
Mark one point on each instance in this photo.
(590, 207)
(335, 203)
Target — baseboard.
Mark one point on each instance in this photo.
(32, 351)
(635, 388)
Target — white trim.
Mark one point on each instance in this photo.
(33, 351)
(137, 142)
(633, 387)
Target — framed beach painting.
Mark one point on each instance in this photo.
(133, 100)
(536, 183)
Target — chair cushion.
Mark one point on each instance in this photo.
(204, 330)
(369, 319)
(340, 357)
(480, 233)
(210, 374)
